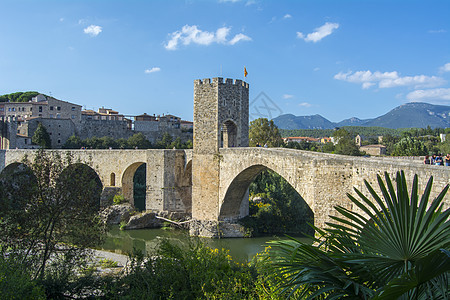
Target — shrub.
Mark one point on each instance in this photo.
(118, 199)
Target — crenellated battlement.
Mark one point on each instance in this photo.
(219, 80)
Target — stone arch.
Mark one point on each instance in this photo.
(17, 181)
(233, 204)
(229, 134)
(128, 181)
(82, 175)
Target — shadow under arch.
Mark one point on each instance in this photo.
(17, 184)
(237, 196)
(128, 182)
(82, 182)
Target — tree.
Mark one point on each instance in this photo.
(263, 131)
(41, 137)
(345, 143)
(139, 141)
(49, 211)
(397, 249)
(409, 146)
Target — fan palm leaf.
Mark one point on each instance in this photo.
(383, 250)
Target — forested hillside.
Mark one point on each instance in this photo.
(18, 97)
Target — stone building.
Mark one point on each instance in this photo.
(63, 119)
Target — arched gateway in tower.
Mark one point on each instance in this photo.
(221, 120)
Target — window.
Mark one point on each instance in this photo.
(58, 116)
(73, 116)
(58, 107)
(40, 108)
(59, 141)
(26, 141)
(51, 115)
(31, 108)
(9, 109)
(14, 109)
(73, 107)
(51, 107)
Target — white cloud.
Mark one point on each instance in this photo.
(61, 19)
(239, 37)
(316, 69)
(304, 104)
(93, 30)
(389, 79)
(319, 33)
(437, 31)
(287, 96)
(191, 34)
(287, 16)
(445, 68)
(152, 70)
(431, 95)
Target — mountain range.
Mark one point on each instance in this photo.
(409, 115)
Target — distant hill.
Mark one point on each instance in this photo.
(289, 121)
(351, 122)
(18, 97)
(416, 114)
(410, 115)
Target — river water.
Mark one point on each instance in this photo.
(146, 240)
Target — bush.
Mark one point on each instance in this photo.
(16, 283)
(118, 199)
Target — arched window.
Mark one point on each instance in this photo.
(113, 179)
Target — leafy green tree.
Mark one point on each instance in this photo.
(408, 146)
(345, 143)
(73, 142)
(41, 137)
(397, 249)
(139, 141)
(328, 147)
(263, 131)
(49, 211)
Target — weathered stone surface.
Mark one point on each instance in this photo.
(143, 220)
(216, 229)
(115, 214)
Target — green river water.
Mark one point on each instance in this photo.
(242, 249)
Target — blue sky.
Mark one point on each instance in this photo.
(339, 59)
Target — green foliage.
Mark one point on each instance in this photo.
(280, 210)
(16, 283)
(118, 199)
(408, 146)
(263, 131)
(18, 97)
(107, 263)
(41, 137)
(396, 250)
(138, 141)
(193, 272)
(346, 144)
(49, 210)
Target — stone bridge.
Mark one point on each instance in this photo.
(168, 173)
(211, 182)
(323, 180)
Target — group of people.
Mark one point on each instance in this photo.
(438, 160)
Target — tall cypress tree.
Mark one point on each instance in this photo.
(41, 137)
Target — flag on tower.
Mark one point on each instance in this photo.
(245, 72)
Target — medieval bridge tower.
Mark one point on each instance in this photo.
(221, 120)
